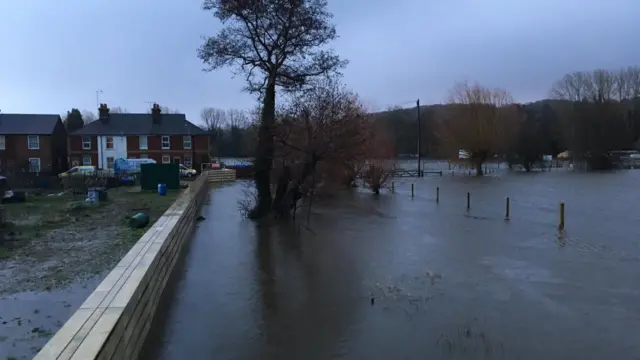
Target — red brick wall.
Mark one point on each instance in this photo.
(17, 153)
(75, 143)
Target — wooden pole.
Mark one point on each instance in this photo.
(393, 186)
(411, 190)
(468, 201)
(561, 225)
(506, 216)
(438, 194)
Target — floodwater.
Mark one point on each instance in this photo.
(396, 277)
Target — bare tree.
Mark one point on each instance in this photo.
(274, 43)
(379, 163)
(88, 116)
(237, 118)
(598, 85)
(603, 116)
(325, 125)
(484, 122)
(118, 110)
(213, 118)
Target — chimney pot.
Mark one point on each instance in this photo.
(103, 113)
(156, 113)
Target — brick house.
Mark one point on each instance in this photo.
(33, 143)
(166, 138)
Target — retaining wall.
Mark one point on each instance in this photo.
(114, 320)
(222, 175)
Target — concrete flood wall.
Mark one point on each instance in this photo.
(222, 175)
(114, 320)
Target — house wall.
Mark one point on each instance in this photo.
(76, 152)
(17, 154)
(119, 149)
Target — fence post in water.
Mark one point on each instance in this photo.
(393, 186)
(438, 194)
(506, 216)
(561, 225)
(468, 201)
(411, 189)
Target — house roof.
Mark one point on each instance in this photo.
(28, 124)
(141, 124)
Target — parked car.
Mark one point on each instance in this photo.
(187, 172)
(79, 170)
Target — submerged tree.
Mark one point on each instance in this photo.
(324, 127)
(273, 43)
(483, 122)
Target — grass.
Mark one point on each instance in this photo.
(42, 215)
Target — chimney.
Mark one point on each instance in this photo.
(155, 113)
(103, 113)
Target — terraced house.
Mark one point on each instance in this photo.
(35, 143)
(166, 138)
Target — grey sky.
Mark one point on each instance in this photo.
(56, 54)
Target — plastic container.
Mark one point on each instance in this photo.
(93, 194)
(162, 189)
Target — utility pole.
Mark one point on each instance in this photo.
(419, 138)
(98, 92)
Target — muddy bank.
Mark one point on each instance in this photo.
(56, 251)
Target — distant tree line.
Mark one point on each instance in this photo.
(589, 113)
(232, 132)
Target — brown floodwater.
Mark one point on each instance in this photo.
(396, 277)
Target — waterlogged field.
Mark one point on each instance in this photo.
(402, 277)
(56, 250)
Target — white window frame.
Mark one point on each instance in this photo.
(167, 158)
(3, 142)
(186, 142)
(39, 165)
(84, 163)
(113, 160)
(35, 139)
(168, 142)
(86, 143)
(106, 142)
(146, 142)
(189, 163)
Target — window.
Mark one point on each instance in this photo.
(166, 142)
(86, 160)
(33, 142)
(176, 160)
(110, 161)
(188, 162)
(109, 142)
(86, 143)
(3, 144)
(186, 142)
(166, 159)
(34, 164)
(144, 156)
(143, 143)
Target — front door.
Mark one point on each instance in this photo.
(176, 160)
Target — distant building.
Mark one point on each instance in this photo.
(166, 138)
(33, 143)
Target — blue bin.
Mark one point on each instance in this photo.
(162, 189)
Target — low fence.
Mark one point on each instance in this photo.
(115, 319)
(507, 204)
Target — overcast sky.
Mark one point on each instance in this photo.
(54, 55)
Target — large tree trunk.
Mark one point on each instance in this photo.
(264, 154)
(286, 200)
